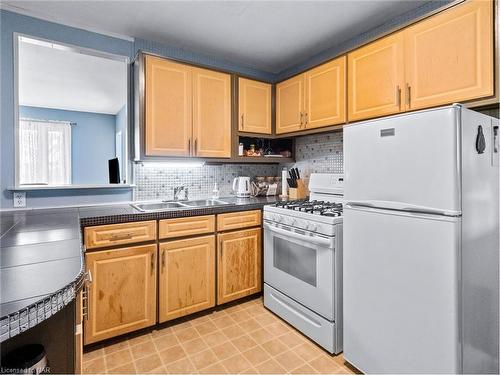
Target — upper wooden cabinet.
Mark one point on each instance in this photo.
(122, 296)
(443, 59)
(325, 95)
(168, 95)
(312, 99)
(187, 110)
(449, 57)
(289, 105)
(254, 106)
(376, 78)
(211, 113)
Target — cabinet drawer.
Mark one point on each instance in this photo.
(119, 234)
(187, 226)
(236, 220)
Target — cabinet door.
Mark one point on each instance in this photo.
(211, 113)
(122, 295)
(187, 276)
(289, 104)
(376, 78)
(449, 56)
(239, 271)
(325, 94)
(254, 106)
(168, 118)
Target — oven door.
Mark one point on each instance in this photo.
(300, 264)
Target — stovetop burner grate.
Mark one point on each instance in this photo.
(331, 209)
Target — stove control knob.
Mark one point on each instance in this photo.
(312, 226)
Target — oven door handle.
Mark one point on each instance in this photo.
(312, 239)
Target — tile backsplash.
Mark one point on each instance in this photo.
(314, 153)
(321, 153)
(156, 181)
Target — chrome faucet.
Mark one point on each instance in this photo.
(178, 189)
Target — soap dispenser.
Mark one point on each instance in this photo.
(215, 192)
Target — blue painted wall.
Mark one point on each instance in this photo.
(11, 22)
(92, 141)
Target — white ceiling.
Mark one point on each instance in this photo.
(62, 79)
(267, 35)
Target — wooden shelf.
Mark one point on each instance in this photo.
(264, 160)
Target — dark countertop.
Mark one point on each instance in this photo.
(42, 257)
(42, 266)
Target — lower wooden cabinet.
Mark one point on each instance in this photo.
(122, 295)
(187, 276)
(239, 270)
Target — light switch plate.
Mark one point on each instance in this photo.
(19, 199)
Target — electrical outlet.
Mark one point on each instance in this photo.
(19, 199)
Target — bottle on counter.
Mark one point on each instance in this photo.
(215, 192)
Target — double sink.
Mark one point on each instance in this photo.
(176, 205)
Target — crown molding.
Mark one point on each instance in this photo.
(51, 18)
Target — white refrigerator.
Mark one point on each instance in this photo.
(421, 243)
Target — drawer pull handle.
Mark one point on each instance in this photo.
(86, 295)
(121, 236)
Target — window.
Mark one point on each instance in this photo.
(44, 152)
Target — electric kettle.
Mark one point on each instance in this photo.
(241, 187)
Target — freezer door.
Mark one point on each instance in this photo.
(410, 160)
(401, 286)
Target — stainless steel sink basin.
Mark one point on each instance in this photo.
(205, 203)
(159, 206)
(176, 205)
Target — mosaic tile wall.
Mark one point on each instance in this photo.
(322, 153)
(156, 181)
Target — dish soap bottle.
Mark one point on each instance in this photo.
(215, 192)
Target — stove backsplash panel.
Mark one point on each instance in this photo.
(157, 181)
(319, 153)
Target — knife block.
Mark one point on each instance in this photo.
(300, 192)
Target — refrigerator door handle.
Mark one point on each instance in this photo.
(400, 206)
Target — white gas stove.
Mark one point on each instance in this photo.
(303, 261)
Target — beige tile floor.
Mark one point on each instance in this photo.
(243, 338)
